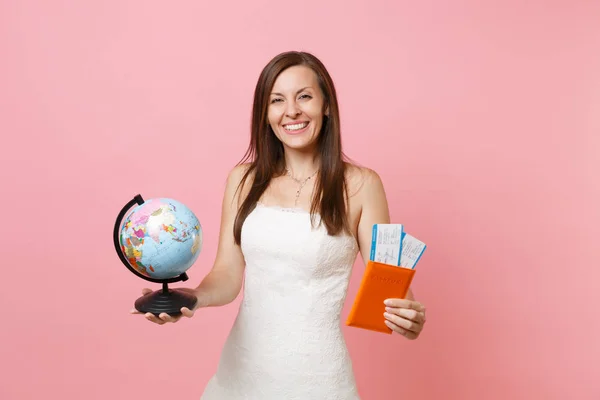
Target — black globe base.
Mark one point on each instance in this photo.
(167, 300)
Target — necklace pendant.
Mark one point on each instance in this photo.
(300, 182)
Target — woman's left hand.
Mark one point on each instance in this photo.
(405, 317)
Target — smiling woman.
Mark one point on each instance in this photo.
(295, 88)
(296, 116)
(294, 217)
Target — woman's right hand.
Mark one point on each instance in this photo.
(163, 318)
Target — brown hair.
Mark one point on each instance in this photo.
(266, 151)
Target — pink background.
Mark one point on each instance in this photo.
(483, 119)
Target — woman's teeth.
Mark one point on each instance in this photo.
(296, 127)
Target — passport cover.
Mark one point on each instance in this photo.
(379, 282)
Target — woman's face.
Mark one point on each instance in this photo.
(295, 110)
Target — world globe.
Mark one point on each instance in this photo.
(161, 238)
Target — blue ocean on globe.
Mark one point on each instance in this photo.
(161, 238)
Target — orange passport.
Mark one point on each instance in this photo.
(379, 282)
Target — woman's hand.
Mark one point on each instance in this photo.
(163, 318)
(405, 317)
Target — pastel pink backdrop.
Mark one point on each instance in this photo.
(482, 118)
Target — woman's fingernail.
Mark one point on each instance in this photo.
(388, 309)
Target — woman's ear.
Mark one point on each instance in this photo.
(326, 113)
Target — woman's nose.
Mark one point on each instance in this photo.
(292, 110)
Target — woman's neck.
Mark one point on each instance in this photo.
(301, 165)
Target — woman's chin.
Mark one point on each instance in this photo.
(298, 142)
(299, 145)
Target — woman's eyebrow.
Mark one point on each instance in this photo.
(304, 88)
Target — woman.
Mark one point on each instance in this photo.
(293, 221)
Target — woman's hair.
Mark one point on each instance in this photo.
(266, 156)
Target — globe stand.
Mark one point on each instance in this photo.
(166, 300)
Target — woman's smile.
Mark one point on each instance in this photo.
(296, 128)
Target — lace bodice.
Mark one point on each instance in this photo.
(286, 342)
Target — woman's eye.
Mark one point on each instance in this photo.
(305, 96)
(275, 101)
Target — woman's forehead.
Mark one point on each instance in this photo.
(295, 78)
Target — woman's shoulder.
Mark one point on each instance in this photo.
(361, 179)
(237, 173)
(238, 182)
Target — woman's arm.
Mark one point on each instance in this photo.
(224, 282)
(403, 316)
(374, 209)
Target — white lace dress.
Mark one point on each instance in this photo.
(286, 342)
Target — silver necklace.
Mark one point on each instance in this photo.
(300, 182)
